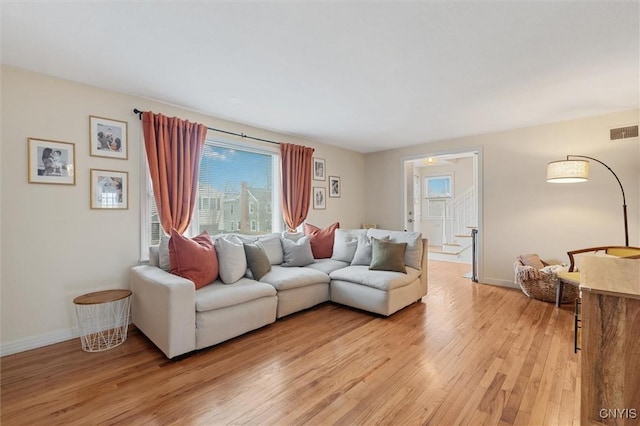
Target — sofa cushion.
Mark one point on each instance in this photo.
(297, 253)
(219, 295)
(269, 242)
(193, 258)
(381, 280)
(345, 243)
(327, 265)
(257, 260)
(321, 239)
(283, 278)
(413, 253)
(231, 258)
(387, 256)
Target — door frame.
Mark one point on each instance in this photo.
(478, 162)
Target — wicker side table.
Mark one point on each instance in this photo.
(103, 319)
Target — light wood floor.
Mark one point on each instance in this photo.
(468, 354)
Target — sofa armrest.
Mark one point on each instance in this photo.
(164, 308)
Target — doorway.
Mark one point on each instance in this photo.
(442, 201)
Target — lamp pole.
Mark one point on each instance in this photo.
(624, 200)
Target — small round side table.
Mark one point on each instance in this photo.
(103, 318)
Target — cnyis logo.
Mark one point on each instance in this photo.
(618, 413)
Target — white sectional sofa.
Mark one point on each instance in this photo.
(179, 319)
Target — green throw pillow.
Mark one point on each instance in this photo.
(257, 260)
(387, 256)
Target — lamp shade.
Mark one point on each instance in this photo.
(568, 171)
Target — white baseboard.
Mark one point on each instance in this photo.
(39, 341)
(36, 342)
(498, 282)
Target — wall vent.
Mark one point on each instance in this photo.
(626, 132)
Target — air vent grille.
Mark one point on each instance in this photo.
(626, 132)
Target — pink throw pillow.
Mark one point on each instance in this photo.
(193, 258)
(321, 239)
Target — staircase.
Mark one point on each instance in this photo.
(460, 220)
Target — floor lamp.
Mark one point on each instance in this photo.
(571, 171)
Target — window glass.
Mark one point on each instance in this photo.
(235, 192)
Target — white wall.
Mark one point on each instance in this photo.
(54, 247)
(522, 212)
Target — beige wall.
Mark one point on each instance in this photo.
(522, 213)
(54, 247)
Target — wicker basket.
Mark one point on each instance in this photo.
(542, 286)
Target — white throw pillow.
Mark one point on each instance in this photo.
(163, 252)
(292, 236)
(273, 247)
(297, 253)
(345, 243)
(413, 253)
(232, 261)
(269, 242)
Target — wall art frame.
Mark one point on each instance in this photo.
(109, 189)
(51, 162)
(335, 187)
(319, 169)
(319, 198)
(109, 138)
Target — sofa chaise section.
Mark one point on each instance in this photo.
(382, 292)
(178, 319)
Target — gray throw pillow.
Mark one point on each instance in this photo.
(297, 253)
(257, 260)
(387, 256)
(231, 259)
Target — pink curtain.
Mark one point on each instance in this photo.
(174, 148)
(295, 176)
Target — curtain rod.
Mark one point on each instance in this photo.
(242, 135)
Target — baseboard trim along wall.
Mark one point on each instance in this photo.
(40, 341)
(43, 340)
(499, 282)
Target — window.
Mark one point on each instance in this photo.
(438, 186)
(235, 181)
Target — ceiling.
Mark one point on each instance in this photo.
(367, 76)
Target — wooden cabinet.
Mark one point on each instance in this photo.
(610, 343)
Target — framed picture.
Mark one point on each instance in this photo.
(335, 187)
(319, 169)
(109, 189)
(51, 162)
(319, 198)
(109, 138)
(438, 186)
